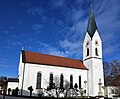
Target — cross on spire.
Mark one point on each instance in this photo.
(90, 3)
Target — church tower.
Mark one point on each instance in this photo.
(92, 57)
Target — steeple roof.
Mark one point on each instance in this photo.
(92, 27)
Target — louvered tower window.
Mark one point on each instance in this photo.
(87, 52)
(96, 51)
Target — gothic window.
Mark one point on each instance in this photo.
(79, 82)
(87, 52)
(51, 81)
(96, 51)
(71, 81)
(61, 81)
(39, 76)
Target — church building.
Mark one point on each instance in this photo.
(39, 70)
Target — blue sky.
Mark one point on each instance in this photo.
(54, 27)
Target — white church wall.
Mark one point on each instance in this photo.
(87, 39)
(31, 71)
(98, 75)
(97, 62)
(20, 73)
(95, 38)
(93, 62)
(92, 45)
(95, 73)
(20, 76)
(88, 63)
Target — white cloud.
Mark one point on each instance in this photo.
(57, 3)
(11, 27)
(43, 48)
(56, 52)
(106, 15)
(5, 32)
(108, 25)
(35, 11)
(111, 49)
(37, 28)
(48, 49)
(3, 63)
(31, 8)
(13, 44)
(69, 44)
(74, 48)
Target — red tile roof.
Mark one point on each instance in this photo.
(115, 81)
(38, 58)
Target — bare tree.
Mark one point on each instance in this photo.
(59, 86)
(66, 87)
(119, 90)
(49, 91)
(107, 70)
(56, 89)
(3, 84)
(111, 70)
(56, 85)
(115, 68)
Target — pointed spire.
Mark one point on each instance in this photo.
(92, 27)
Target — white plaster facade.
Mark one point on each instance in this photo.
(31, 70)
(94, 63)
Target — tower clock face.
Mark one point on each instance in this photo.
(96, 42)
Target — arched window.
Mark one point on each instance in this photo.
(96, 51)
(61, 81)
(51, 81)
(71, 81)
(39, 76)
(79, 82)
(87, 52)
